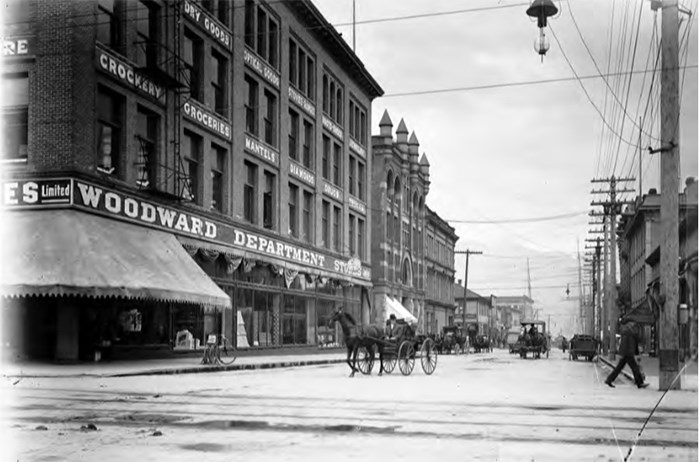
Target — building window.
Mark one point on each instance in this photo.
(218, 83)
(361, 239)
(302, 70)
(109, 124)
(269, 200)
(336, 229)
(218, 169)
(356, 122)
(270, 119)
(293, 210)
(147, 29)
(193, 62)
(262, 33)
(249, 190)
(307, 216)
(326, 157)
(218, 9)
(325, 224)
(192, 147)
(308, 145)
(293, 134)
(251, 105)
(361, 182)
(336, 164)
(351, 235)
(351, 175)
(15, 117)
(147, 124)
(332, 98)
(108, 24)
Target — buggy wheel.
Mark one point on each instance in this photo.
(389, 362)
(407, 357)
(428, 356)
(225, 355)
(365, 360)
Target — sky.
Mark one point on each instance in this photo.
(520, 155)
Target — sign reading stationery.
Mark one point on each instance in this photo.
(84, 195)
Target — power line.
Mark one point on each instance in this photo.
(518, 220)
(521, 83)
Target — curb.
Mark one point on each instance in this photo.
(232, 367)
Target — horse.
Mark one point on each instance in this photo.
(359, 336)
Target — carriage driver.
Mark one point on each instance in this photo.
(392, 328)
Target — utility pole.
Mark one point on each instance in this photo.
(669, 182)
(466, 275)
(581, 301)
(611, 208)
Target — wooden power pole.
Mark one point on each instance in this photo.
(669, 182)
(466, 275)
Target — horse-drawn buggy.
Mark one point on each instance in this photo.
(398, 345)
(452, 340)
(534, 339)
(583, 345)
(482, 343)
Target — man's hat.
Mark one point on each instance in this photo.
(392, 316)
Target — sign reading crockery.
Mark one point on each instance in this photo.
(125, 73)
(84, 195)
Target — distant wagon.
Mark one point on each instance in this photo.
(534, 339)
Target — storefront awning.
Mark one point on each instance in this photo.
(66, 252)
(397, 309)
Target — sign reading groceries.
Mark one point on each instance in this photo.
(44, 193)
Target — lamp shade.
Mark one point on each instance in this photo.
(542, 9)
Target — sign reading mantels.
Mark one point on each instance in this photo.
(212, 26)
(120, 70)
(262, 150)
(84, 195)
(262, 68)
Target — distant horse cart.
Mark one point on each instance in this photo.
(452, 340)
(534, 339)
(364, 342)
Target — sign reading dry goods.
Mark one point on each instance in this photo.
(124, 73)
(209, 24)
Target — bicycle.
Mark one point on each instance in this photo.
(219, 353)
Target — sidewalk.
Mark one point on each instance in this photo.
(186, 365)
(650, 366)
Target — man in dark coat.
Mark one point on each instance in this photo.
(629, 347)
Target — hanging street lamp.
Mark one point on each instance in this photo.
(542, 9)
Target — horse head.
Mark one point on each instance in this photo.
(336, 316)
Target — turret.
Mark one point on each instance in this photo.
(413, 152)
(385, 128)
(402, 137)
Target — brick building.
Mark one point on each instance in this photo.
(400, 184)
(185, 168)
(440, 240)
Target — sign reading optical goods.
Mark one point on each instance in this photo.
(124, 72)
(202, 116)
(84, 195)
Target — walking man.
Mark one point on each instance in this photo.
(629, 347)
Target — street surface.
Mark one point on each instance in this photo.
(488, 407)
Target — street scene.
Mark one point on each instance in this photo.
(489, 406)
(349, 229)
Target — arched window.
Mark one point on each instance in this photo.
(339, 105)
(389, 187)
(331, 108)
(326, 101)
(406, 273)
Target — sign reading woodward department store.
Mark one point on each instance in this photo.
(29, 194)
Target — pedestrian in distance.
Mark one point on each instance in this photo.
(629, 348)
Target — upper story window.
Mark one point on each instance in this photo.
(332, 98)
(147, 31)
(219, 9)
(109, 23)
(301, 139)
(250, 188)
(194, 65)
(218, 175)
(147, 125)
(15, 117)
(191, 155)
(251, 105)
(302, 69)
(110, 122)
(269, 203)
(219, 83)
(357, 122)
(262, 33)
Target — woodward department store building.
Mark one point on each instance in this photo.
(88, 267)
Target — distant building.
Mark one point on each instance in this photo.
(639, 231)
(399, 185)
(478, 307)
(440, 273)
(514, 309)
